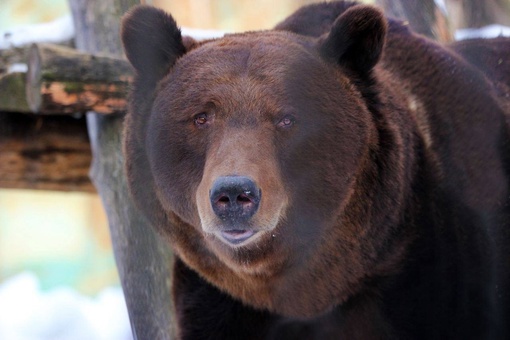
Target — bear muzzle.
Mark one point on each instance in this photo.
(234, 200)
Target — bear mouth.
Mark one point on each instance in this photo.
(237, 236)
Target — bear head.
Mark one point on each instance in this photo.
(254, 156)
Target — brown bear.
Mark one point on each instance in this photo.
(491, 56)
(352, 184)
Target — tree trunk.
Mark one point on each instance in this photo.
(143, 259)
(424, 17)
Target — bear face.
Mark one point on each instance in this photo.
(229, 123)
(254, 151)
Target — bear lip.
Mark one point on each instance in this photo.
(237, 236)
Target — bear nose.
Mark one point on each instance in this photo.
(234, 199)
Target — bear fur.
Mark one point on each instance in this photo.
(489, 55)
(380, 162)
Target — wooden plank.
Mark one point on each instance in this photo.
(61, 80)
(48, 153)
(12, 93)
(12, 56)
(143, 259)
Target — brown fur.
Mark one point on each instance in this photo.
(374, 209)
(491, 56)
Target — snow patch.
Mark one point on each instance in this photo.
(57, 31)
(18, 67)
(27, 313)
(491, 31)
(62, 30)
(442, 6)
(199, 34)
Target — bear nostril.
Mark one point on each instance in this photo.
(243, 199)
(234, 198)
(224, 199)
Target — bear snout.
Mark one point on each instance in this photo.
(234, 200)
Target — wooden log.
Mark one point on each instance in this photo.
(12, 80)
(143, 259)
(48, 153)
(12, 93)
(61, 80)
(11, 57)
(424, 17)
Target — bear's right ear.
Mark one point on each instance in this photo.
(356, 39)
(152, 41)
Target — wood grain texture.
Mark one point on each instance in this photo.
(48, 153)
(12, 93)
(61, 80)
(143, 259)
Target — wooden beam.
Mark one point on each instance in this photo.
(12, 92)
(48, 153)
(58, 80)
(143, 259)
(61, 80)
(12, 82)
(12, 56)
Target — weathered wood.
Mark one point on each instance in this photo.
(144, 261)
(12, 93)
(61, 80)
(424, 17)
(12, 82)
(49, 153)
(12, 56)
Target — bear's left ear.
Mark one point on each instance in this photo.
(152, 41)
(356, 39)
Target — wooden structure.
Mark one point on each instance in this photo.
(143, 259)
(64, 113)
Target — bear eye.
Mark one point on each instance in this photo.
(201, 119)
(286, 122)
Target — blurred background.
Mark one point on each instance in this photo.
(228, 15)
